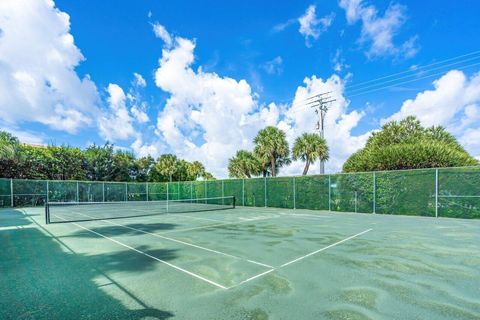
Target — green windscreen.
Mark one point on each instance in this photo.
(311, 192)
(214, 188)
(185, 190)
(199, 190)
(115, 191)
(90, 191)
(5, 193)
(280, 192)
(255, 192)
(29, 193)
(137, 191)
(157, 191)
(443, 192)
(406, 192)
(62, 191)
(459, 193)
(234, 187)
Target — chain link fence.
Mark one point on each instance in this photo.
(443, 192)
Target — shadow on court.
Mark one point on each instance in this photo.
(122, 229)
(43, 279)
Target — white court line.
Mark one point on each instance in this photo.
(181, 242)
(304, 215)
(301, 258)
(325, 248)
(221, 224)
(252, 278)
(153, 257)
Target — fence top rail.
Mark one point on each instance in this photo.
(247, 179)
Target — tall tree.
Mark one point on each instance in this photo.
(195, 170)
(243, 165)
(167, 165)
(309, 147)
(271, 149)
(406, 144)
(124, 168)
(143, 165)
(68, 163)
(10, 155)
(99, 162)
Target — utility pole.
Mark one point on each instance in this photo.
(319, 103)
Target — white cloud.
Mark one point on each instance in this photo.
(312, 27)
(209, 117)
(339, 122)
(38, 57)
(379, 31)
(453, 103)
(139, 80)
(116, 123)
(162, 33)
(274, 66)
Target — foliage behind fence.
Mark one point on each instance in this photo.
(443, 192)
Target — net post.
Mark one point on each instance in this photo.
(294, 195)
(103, 191)
(436, 193)
(234, 202)
(265, 189)
(78, 196)
(329, 193)
(47, 213)
(374, 193)
(11, 193)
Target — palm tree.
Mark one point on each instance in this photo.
(271, 149)
(244, 164)
(309, 147)
(8, 145)
(167, 165)
(195, 170)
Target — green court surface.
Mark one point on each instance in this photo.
(244, 263)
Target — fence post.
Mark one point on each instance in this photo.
(167, 193)
(103, 191)
(355, 201)
(243, 192)
(191, 190)
(47, 192)
(78, 195)
(223, 194)
(294, 195)
(11, 193)
(126, 192)
(374, 192)
(265, 187)
(436, 193)
(147, 190)
(205, 192)
(329, 193)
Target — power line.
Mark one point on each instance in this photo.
(409, 76)
(416, 69)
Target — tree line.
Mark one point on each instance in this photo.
(95, 163)
(271, 152)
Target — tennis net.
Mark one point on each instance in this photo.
(59, 212)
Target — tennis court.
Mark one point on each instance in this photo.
(235, 263)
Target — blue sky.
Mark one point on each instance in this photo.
(199, 79)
